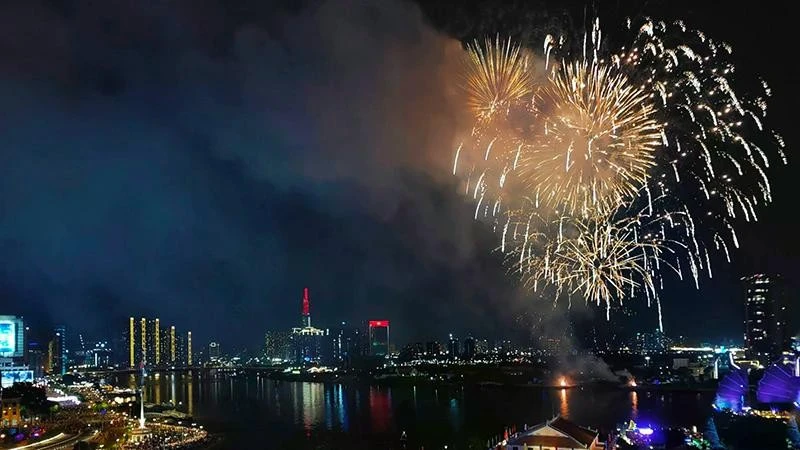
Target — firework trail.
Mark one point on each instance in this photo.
(609, 168)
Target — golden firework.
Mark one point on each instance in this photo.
(496, 75)
(600, 259)
(596, 143)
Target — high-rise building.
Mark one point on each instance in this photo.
(172, 345)
(433, 349)
(100, 355)
(180, 343)
(413, 352)
(157, 343)
(347, 343)
(469, 348)
(765, 318)
(481, 346)
(307, 341)
(147, 341)
(131, 339)
(306, 310)
(26, 340)
(143, 339)
(37, 359)
(453, 347)
(277, 345)
(189, 348)
(57, 353)
(378, 335)
(213, 351)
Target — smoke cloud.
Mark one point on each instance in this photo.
(204, 161)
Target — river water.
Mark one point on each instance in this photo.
(257, 413)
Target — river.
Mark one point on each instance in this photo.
(256, 413)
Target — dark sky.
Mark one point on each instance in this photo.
(203, 161)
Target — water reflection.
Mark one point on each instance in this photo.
(313, 408)
(341, 407)
(303, 412)
(455, 414)
(380, 408)
(564, 407)
(157, 394)
(190, 394)
(172, 387)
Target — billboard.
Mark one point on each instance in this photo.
(8, 337)
(12, 337)
(9, 377)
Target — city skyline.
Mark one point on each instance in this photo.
(213, 208)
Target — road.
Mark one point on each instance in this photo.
(59, 441)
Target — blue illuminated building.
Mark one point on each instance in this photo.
(778, 385)
(732, 391)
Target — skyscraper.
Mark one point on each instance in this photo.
(157, 343)
(307, 340)
(277, 345)
(132, 343)
(213, 351)
(189, 348)
(306, 312)
(143, 339)
(469, 348)
(764, 318)
(172, 345)
(378, 335)
(453, 347)
(57, 352)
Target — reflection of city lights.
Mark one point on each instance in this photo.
(564, 410)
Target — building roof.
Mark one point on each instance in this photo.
(583, 435)
(546, 441)
(558, 432)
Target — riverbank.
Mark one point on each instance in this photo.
(457, 381)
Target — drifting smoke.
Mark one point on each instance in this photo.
(218, 157)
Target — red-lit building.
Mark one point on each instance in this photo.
(378, 334)
(306, 341)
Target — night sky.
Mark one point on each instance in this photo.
(203, 161)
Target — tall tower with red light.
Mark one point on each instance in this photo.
(378, 337)
(306, 317)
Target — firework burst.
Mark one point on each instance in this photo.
(597, 144)
(496, 75)
(617, 164)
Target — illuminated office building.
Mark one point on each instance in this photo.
(157, 343)
(131, 339)
(213, 351)
(57, 353)
(277, 345)
(453, 347)
(172, 345)
(147, 341)
(765, 318)
(143, 339)
(378, 337)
